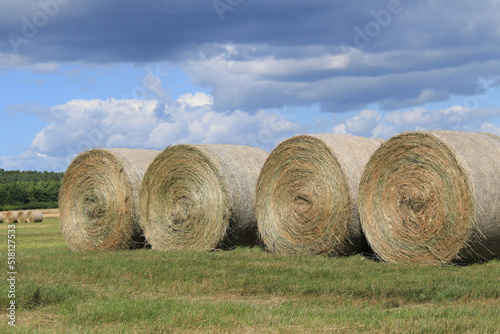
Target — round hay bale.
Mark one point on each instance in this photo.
(201, 197)
(21, 216)
(306, 197)
(98, 200)
(11, 217)
(1, 218)
(433, 197)
(34, 216)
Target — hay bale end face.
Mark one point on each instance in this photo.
(21, 216)
(201, 197)
(11, 217)
(433, 197)
(306, 197)
(98, 200)
(34, 216)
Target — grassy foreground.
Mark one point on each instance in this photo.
(240, 291)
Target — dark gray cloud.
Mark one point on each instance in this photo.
(130, 30)
(262, 54)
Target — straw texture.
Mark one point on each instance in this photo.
(306, 197)
(98, 200)
(21, 216)
(11, 217)
(34, 216)
(433, 197)
(1, 218)
(201, 197)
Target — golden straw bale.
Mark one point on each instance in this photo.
(433, 197)
(306, 197)
(34, 216)
(98, 200)
(201, 197)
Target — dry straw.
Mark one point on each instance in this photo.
(98, 200)
(21, 216)
(1, 218)
(306, 197)
(201, 197)
(433, 197)
(34, 216)
(11, 217)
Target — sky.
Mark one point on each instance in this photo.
(77, 75)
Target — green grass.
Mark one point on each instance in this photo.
(245, 290)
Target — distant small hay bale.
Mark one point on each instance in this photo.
(306, 197)
(98, 200)
(11, 217)
(34, 216)
(21, 216)
(201, 197)
(433, 197)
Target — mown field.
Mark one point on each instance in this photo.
(239, 291)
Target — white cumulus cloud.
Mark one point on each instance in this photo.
(361, 124)
(371, 123)
(79, 125)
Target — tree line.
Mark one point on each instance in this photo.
(25, 190)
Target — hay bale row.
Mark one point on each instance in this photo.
(98, 200)
(425, 197)
(433, 197)
(12, 217)
(428, 197)
(192, 196)
(307, 195)
(201, 197)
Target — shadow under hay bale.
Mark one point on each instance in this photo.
(98, 200)
(201, 197)
(306, 197)
(433, 197)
